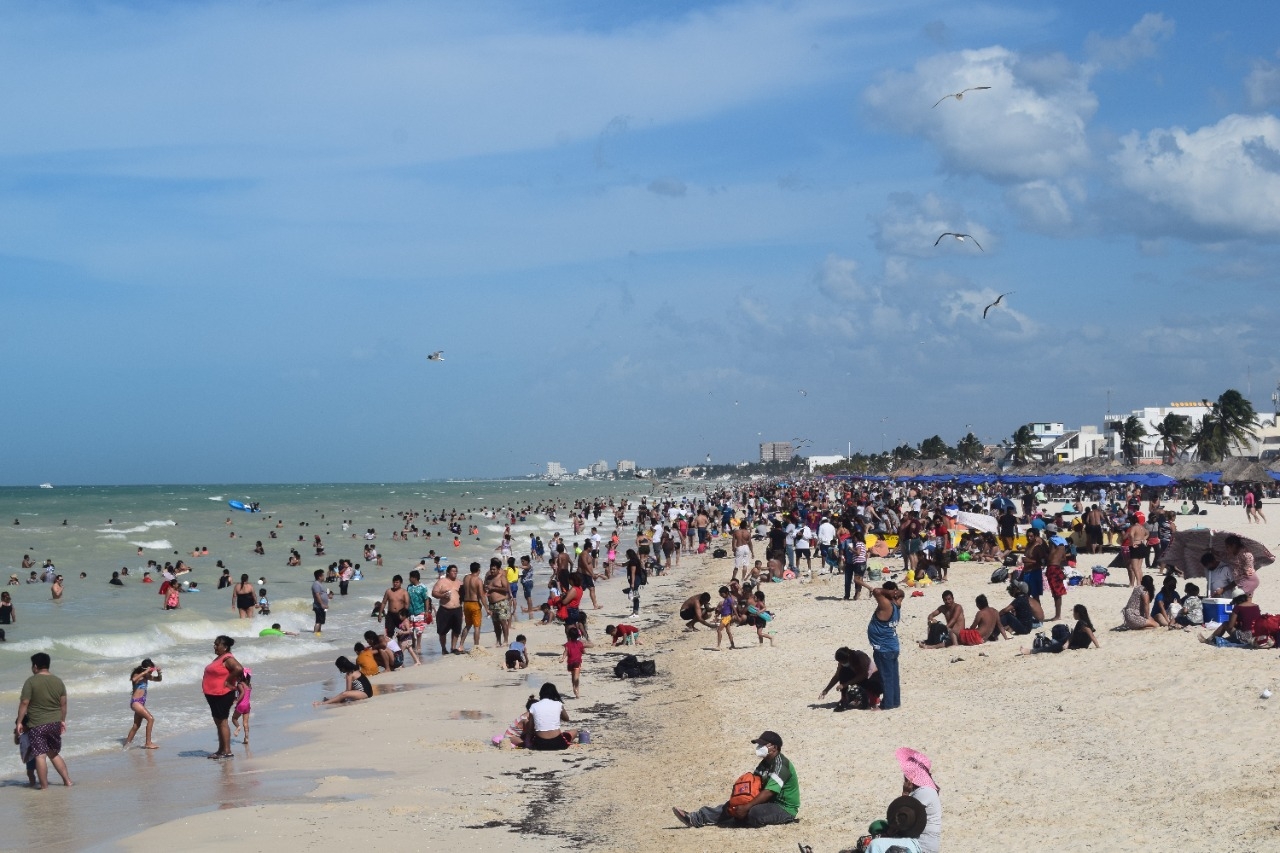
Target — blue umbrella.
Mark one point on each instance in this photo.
(1002, 503)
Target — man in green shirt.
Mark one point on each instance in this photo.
(42, 717)
(779, 797)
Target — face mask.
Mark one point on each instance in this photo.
(762, 751)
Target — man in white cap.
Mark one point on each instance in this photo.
(778, 800)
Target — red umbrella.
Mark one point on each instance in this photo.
(1187, 546)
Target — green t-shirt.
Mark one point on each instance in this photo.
(417, 599)
(780, 777)
(44, 693)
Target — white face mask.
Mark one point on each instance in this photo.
(762, 751)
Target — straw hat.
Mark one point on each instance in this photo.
(916, 767)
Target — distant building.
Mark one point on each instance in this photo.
(776, 451)
(819, 461)
(1075, 444)
(555, 469)
(584, 472)
(1046, 433)
(626, 466)
(1150, 449)
(599, 468)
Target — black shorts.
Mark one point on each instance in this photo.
(320, 614)
(220, 706)
(449, 619)
(588, 582)
(514, 659)
(688, 614)
(560, 742)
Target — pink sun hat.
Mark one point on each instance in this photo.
(916, 767)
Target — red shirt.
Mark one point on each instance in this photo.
(621, 632)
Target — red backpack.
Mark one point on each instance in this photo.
(744, 790)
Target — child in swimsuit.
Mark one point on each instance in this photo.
(241, 714)
(138, 681)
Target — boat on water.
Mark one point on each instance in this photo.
(46, 485)
(553, 483)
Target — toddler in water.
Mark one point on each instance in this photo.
(243, 690)
(264, 606)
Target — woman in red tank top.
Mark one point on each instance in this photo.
(219, 685)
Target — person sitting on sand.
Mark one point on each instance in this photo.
(986, 625)
(915, 818)
(1192, 612)
(547, 714)
(1217, 576)
(1137, 611)
(777, 802)
(1018, 615)
(696, 611)
(1238, 629)
(1167, 603)
(357, 684)
(517, 734)
(860, 684)
(1083, 634)
(947, 632)
(365, 660)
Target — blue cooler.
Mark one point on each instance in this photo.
(1217, 609)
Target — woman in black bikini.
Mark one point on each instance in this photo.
(8, 616)
(243, 598)
(358, 686)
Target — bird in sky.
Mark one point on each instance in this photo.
(960, 237)
(804, 393)
(438, 355)
(959, 96)
(994, 304)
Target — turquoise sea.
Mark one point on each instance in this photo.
(97, 632)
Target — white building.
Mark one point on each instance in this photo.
(626, 466)
(818, 461)
(1076, 444)
(1152, 451)
(555, 469)
(1046, 432)
(599, 468)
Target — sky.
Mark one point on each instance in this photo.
(231, 232)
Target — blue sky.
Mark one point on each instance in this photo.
(231, 232)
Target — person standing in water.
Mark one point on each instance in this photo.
(141, 676)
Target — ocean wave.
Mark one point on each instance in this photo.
(141, 528)
(114, 536)
(216, 498)
(154, 544)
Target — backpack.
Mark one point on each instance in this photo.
(744, 790)
(642, 576)
(719, 553)
(1000, 575)
(629, 666)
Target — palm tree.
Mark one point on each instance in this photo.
(1131, 434)
(934, 448)
(1228, 427)
(1174, 431)
(1024, 441)
(969, 449)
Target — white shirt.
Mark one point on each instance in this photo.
(546, 715)
(826, 532)
(931, 839)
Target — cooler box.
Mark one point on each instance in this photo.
(1217, 609)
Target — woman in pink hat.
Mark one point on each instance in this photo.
(918, 784)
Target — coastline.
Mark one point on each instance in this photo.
(1067, 752)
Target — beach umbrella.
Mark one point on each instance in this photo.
(1187, 545)
(1155, 478)
(977, 521)
(1002, 503)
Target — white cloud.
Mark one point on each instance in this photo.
(1141, 42)
(1262, 85)
(1222, 180)
(1029, 125)
(911, 225)
(1046, 206)
(838, 279)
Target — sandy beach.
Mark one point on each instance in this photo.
(1154, 741)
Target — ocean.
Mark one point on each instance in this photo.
(97, 633)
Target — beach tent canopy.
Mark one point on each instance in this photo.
(1187, 545)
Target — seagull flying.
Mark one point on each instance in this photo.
(804, 393)
(438, 355)
(994, 304)
(960, 237)
(959, 96)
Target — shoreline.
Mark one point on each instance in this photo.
(444, 721)
(1067, 742)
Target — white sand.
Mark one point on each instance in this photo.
(1153, 742)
